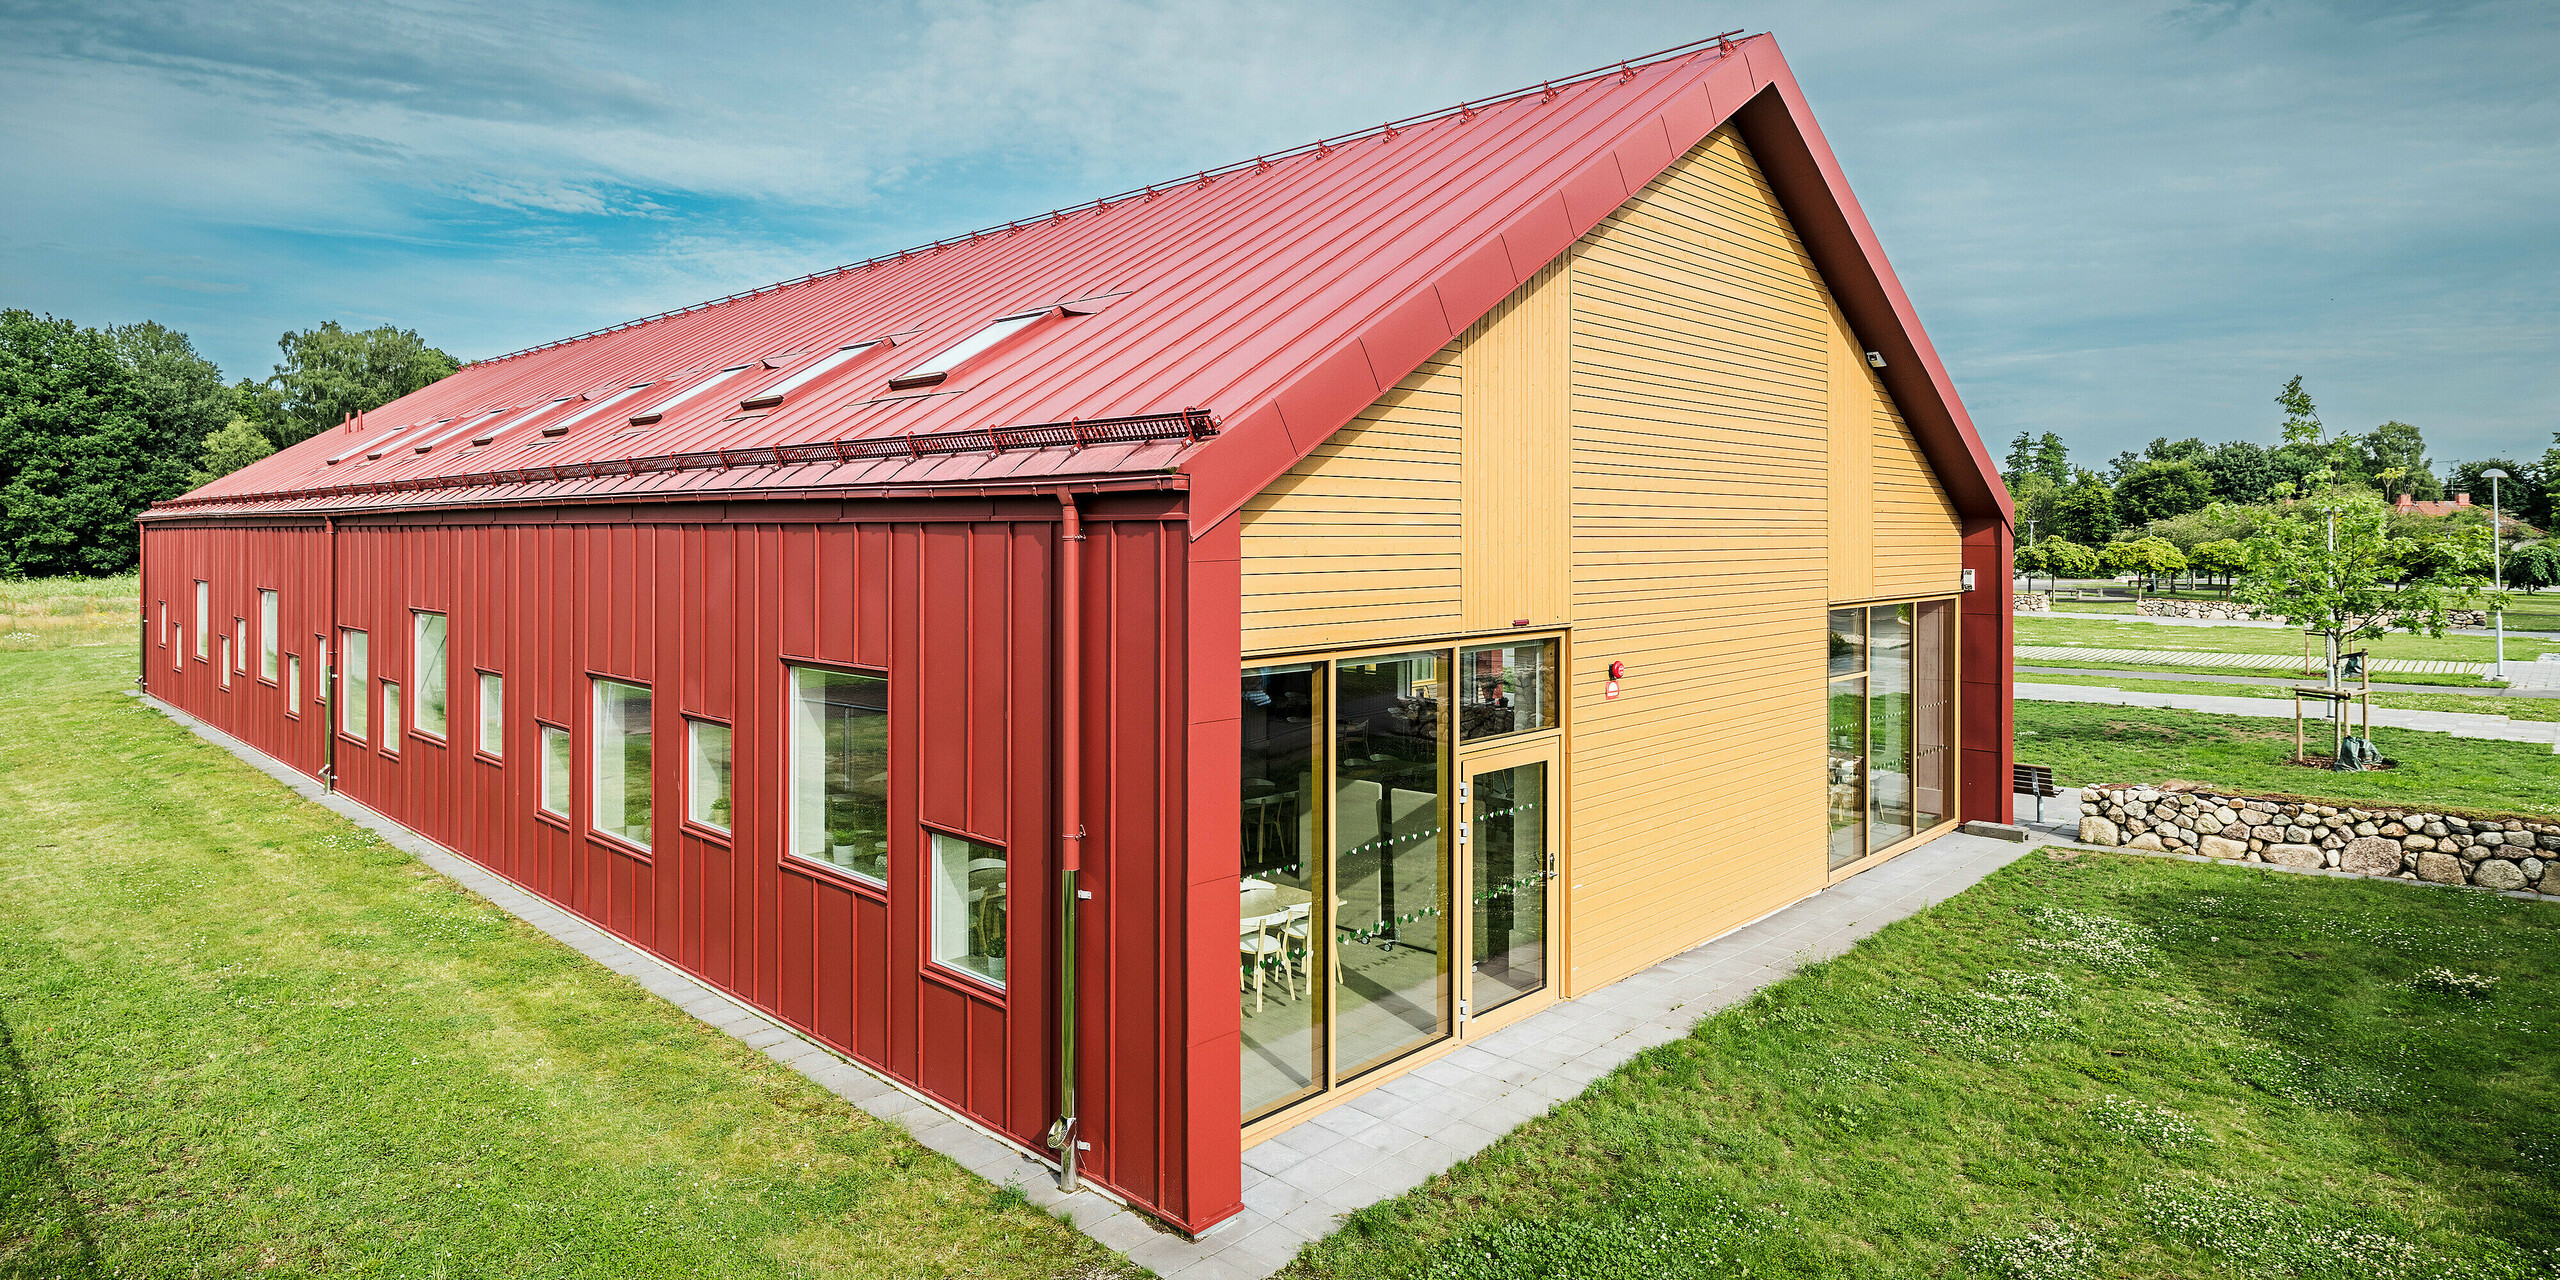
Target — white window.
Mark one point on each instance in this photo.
(373, 444)
(493, 713)
(557, 761)
(669, 405)
(840, 770)
(352, 689)
(164, 624)
(594, 407)
(490, 433)
(226, 662)
(383, 445)
(238, 651)
(427, 670)
(390, 718)
(293, 684)
(266, 635)
(706, 774)
(430, 443)
(940, 367)
(204, 618)
(178, 655)
(817, 369)
(622, 758)
(969, 907)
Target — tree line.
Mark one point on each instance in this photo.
(2186, 506)
(98, 424)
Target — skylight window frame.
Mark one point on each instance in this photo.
(985, 338)
(395, 433)
(811, 372)
(596, 404)
(491, 435)
(428, 446)
(658, 413)
(383, 445)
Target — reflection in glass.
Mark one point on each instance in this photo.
(353, 688)
(840, 770)
(1848, 641)
(1507, 813)
(1845, 771)
(1933, 714)
(555, 770)
(706, 783)
(1507, 688)
(622, 761)
(969, 907)
(1392, 925)
(1279, 918)
(1888, 725)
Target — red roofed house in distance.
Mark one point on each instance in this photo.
(1458, 564)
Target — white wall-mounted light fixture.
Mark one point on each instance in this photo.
(1968, 579)
(1875, 359)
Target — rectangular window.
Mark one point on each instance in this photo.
(1506, 688)
(164, 624)
(621, 778)
(352, 687)
(204, 618)
(959, 353)
(427, 670)
(178, 655)
(491, 433)
(293, 684)
(226, 662)
(343, 455)
(267, 638)
(239, 650)
(1890, 768)
(969, 907)
(428, 445)
(706, 774)
(840, 771)
(817, 369)
(1391, 862)
(673, 402)
(1281, 923)
(493, 713)
(557, 761)
(593, 407)
(390, 718)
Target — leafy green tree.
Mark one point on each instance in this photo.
(2222, 556)
(2326, 564)
(2241, 471)
(2149, 558)
(175, 391)
(235, 446)
(2053, 461)
(2519, 495)
(2122, 465)
(2085, 512)
(2064, 558)
(2158, 490)
(2217, 521)
(2534, 565)
(2397, 446)
(84, 445)
(331, 372)
(2164, 449)
(2028, 560)
(2034, 496)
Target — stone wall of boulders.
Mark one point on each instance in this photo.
(2234, 611)
(2031, 602)
(2493, 853)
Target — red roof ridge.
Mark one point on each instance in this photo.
(1624, 68)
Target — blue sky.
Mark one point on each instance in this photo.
(2119, 220)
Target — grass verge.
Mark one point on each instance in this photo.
(2537, 709)
(2090, 1065)
(2462, 647)
(2088, 744)
(243, 1036)
(2275, 673)
(61, 613)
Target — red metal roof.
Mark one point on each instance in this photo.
(1203, 334)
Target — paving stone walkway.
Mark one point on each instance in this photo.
(2461, 724)
(2196, 658)
(1296, 1186)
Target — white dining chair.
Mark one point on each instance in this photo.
(1258, 942)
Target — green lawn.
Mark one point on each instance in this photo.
(2091, 1065)
(2088, 744)
(2464, 646)
(2307, 676)
(242, 1036)
(58, 613)
(2541, 709)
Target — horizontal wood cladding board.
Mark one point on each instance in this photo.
(1919, 538)
(1702, 438)
(1362, 540)
(1518, 377)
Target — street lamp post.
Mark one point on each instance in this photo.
(2498, 563)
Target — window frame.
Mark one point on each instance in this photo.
(292, 685)
(685, 818)
(941, 365)
(204, 619)
(481, 676)
(270, 645)
(240, 651)
(393, 708)
(362, 703)
(787, 855)
(596, 680)
(226, 664)
(164, 624)
(418, 673)
(824, 367)
(930, 903)
(561, 817)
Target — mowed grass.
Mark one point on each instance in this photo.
(2537, 709)
(62, 613)
(2455, 646)
(2306, 675)
(2087, 744)
(240, 1036)
(2090, 1065)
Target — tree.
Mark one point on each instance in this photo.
(235, 446)
(2064, 558)
(2224, 556)
(84, 445)
(2164, 449)
(2241, 471)
(2397, 446)
(2147, 557)
(177, 393)
(2085, 512)
(2031, 455)
(2159, 490)
(2326, 565)
(2535, 564)
(2029, 560)
(2518, 495)
(329, 373)
(2121, 465)
(2034, 496)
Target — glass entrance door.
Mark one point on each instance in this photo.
(1510, 844)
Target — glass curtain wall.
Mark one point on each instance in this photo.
(1391, 925)
(1890, 762)
(1280, 912)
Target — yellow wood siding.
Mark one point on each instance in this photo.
(1515, 440)
(1852, 490)
(1919, 539)
(1360, 541)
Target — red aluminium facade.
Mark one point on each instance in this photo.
(1185, 345)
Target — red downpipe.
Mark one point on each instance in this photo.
(1063, 1135)
(329, 672)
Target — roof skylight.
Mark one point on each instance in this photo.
(940, 367)
(395, 433)
(425, 446)
(817, 369)
(383, 445)
(594, 407)
(668, 405)
(492, 433)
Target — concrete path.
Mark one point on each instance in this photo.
(2287, 682)
(2460, 724)
(2244, 661)
(1296, 1186)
